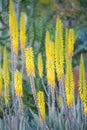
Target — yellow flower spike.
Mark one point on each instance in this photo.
(13, 26)
(50, 65)
(18, 84)
(41, 105)
(47, 42)
(0, 82)
(11, 14)
(11, 17)
(59, 51)
(23, 30)
(71, 43)
(81, 77)
(15, 37)
(40, 65)
(5, 68)
(5, 75)
(69, 85)
(29, 60)
(66, 45)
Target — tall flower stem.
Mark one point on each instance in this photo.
(53, 105)
(49, 102)
(62, 92)
(33, 90)
(44, 87)
(15, 62)
(44, 127)
(53, 99)
(12, 64)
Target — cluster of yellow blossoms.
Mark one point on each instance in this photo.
(13, 26)
(69, 85)
(59, 49)
(50, 61)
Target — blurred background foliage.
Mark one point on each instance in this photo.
(41, 16)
